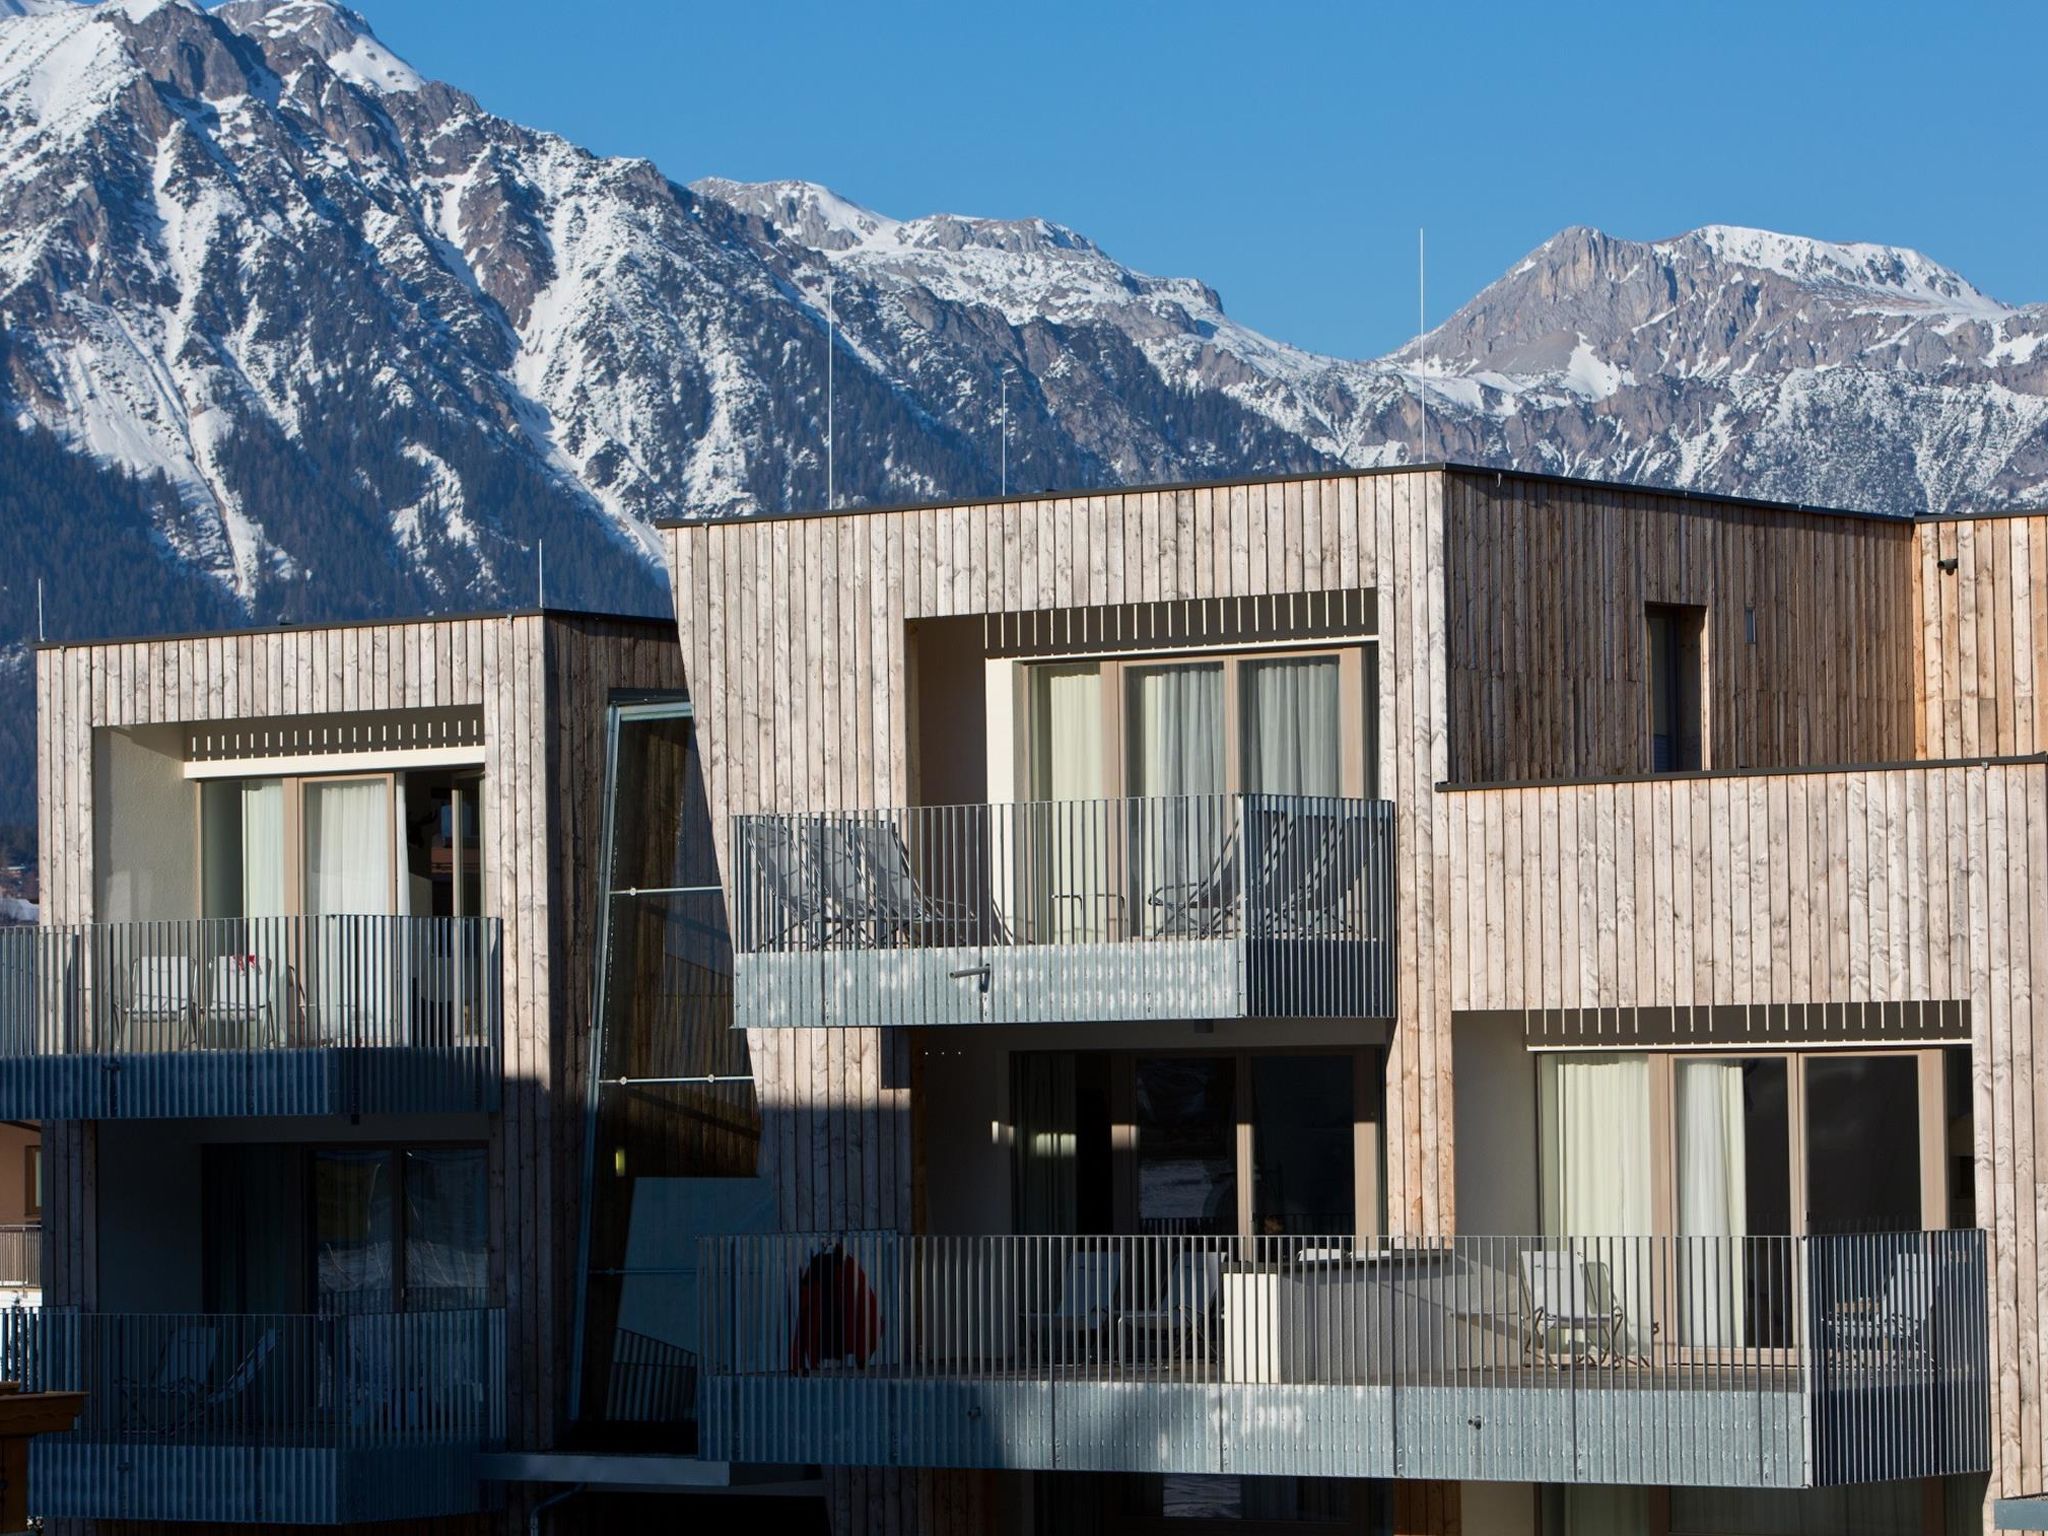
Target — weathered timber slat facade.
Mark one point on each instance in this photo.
(542, 681)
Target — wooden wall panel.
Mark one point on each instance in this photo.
(1547, 666)
(1777, 891)
(798, 662)
(542, 682)
(1983, 636)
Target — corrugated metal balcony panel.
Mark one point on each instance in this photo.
(253, 1484)
(252, 1418)
(1760, 1362)
(259, 1016)
(1181, 907)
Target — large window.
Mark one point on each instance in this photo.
(408, 844)
(1197, 1143)
(1280, 722)
(1746, 1144)
(346, 1229)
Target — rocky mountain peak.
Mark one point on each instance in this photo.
(287, 330)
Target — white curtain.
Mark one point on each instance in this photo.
(1174, 750)
(262, 817)
(1176, 722)
(1290, 715)
(1067, 734)
(1712, 1200)
(348, 878)
(348, 847)
(1066, 868)
(1597, 1176)
(1596, 1144)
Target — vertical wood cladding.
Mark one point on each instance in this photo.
(1548, 586)
(1983, 636)
(794, 633)
(1774, 892)
(542, 682)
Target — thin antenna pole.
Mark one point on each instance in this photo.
(1006, 430)
(831, 346)
(1422, 330)
(541, 548)
(41, 633)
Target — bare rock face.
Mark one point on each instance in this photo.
(367, 345)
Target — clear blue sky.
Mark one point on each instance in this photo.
(1287, 153)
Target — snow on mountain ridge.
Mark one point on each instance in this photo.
(1884, 269)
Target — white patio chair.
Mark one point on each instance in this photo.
(160, 1004)
(1573, 1317)
(241, 1002)
(1186, 1307)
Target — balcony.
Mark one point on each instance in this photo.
(1760, 1362)
(285, 1419)
(1186, 907)
(21, 1256)
(324, 1015)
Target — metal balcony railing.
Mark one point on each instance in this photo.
(1179, 906)
(1767, 1361)
(21, 1255)
(239, 1418)
(353, 1381)
(94, 1018)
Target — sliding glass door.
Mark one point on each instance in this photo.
(1733, 1153)
(1197, 1143)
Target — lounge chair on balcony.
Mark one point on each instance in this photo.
(163, 1403)
(218, 1408)
(1573, 1316)
(1893, 1322)
(1310, 867)
(866, 871)
(1072, 1333)
(1201, 908)
(783, 900)
(158, 1014)
(1185, 1310)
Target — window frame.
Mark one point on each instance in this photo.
(1690, 704)
(1358, 765)
(394, 1154)
(1368, 1130)
(1662, 1071)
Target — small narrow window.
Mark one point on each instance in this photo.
(1677, 667)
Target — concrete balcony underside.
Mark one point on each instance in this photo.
(307, 1080)
(1543, 1426)
(75, 1478)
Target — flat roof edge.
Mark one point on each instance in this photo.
(398, 620)
(1434, 466)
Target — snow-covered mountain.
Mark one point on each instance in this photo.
(290, 330)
